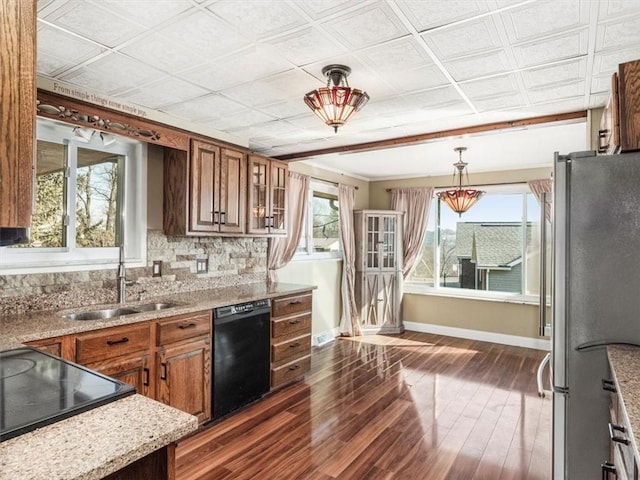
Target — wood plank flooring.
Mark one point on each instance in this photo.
(414, 406)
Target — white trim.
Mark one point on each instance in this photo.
(502, 338)
(412, 288)
(324, 338)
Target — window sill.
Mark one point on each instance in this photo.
(316, 256)
(415, 289)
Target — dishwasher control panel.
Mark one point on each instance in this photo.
(263, 304)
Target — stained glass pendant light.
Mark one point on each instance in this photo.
(336, 102)
(460, 199)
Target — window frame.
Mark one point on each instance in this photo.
(413, 287)
(307, 233)
(72, 258)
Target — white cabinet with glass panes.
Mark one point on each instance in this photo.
(378, 287)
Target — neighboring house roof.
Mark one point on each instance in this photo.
(491, 244)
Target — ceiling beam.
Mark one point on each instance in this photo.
(425, 137)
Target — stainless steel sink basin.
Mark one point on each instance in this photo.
(148, 307)
(117, 312)
(101, 314)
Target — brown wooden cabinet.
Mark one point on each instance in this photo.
(267, 196)
(168, 360)
(17, 111)
(119, 352)
(290, 338)
(620, 123)
(629, 105)
(623, 458)
(184, 364)
(205, 194)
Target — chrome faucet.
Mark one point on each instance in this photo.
(121, 279)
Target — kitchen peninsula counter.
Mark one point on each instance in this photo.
(17, 329)
(94, 444)
(625, 366)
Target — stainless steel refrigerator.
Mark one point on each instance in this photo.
(596, 299)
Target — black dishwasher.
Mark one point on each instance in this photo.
(241, 366)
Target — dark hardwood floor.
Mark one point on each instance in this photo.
(414, 406)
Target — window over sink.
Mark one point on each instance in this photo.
(89, 198)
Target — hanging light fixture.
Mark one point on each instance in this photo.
(460, 199)
(335, 104)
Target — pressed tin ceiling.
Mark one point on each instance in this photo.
(242, 66)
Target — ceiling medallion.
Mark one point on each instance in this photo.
(460, 199)
(336, 102)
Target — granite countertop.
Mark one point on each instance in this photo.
(625, 365)
(96, 443)
(17, 329)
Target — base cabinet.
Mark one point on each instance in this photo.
(623, 461)
(183, 378)
(379, 302)
(168, 360)
(290, 338)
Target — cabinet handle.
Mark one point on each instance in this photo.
(295, 302)
(616, 438)
(294, 322)
(294, 367)
(163, 373)
(295, 345)
(146, 377)
(609, 385)
(186, 325)
(116, 342)
(607, 468)
(602, 136)
(223, 219)
(214, 217)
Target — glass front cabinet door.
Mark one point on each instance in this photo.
(378, 236)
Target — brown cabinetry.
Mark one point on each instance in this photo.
(184, 364)
(17, 111)
(290, 338)
(620, 124)
(205, 194)
(267, 196)
(118, 352)
(168, 359)
(623, 459)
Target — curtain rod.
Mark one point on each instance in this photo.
(329, 182)
(468, 186)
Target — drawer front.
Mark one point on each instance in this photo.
(294, 348)
(111, 343)
(184, 327)
(290, 305)
(299, 323)
(290, 371)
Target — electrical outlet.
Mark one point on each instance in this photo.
(157, 268)
(202, 265)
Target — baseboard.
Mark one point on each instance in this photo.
(325, 337)
(514, 340)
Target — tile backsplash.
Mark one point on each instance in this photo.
(231, 261)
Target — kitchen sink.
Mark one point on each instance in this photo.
(118, 312)
(148, 307)
(101, 314)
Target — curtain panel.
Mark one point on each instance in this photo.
(415, 203)
(280, 250)
(350, 320)
(538, 187)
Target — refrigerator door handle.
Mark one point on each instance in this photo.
(560, 390)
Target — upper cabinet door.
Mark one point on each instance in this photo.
(17, 111)
(232, 191)
(279, 184)
(259, 202)
(205, 175)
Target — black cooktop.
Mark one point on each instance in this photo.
(37, 389)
